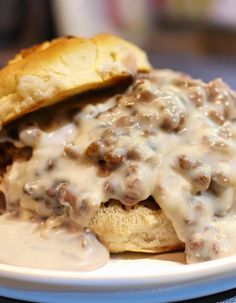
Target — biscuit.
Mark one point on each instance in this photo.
(141, 228)
(52, 71)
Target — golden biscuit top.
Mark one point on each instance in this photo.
(47, 73)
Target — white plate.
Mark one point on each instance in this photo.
(127, 277)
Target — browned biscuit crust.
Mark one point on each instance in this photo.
(50, 72)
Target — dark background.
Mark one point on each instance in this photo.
(187, 35)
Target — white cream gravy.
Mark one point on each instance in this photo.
(23, 244)
(167, 136)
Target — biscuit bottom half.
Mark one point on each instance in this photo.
(140, 228)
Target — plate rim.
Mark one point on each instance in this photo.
(191, 273)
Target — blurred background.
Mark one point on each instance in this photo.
(194, 36)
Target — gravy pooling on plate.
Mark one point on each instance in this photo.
(168, 136)
(24, 244)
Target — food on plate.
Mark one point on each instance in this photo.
(144, 159)
(52, 71)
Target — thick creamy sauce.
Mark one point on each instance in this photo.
(23, 243)
(168, 136)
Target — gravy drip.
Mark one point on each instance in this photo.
(168, 136)
(24, 244)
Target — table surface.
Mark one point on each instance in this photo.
(224, 297)
(206, 69)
